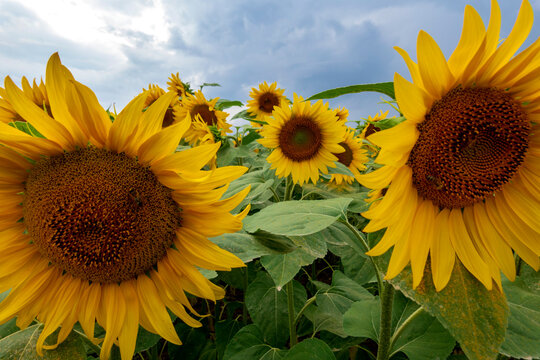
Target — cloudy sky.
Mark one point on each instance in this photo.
(118, 47)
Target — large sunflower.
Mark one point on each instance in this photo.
(264, 99)
(305, 139)
(463, 169)
(36, 93)
(354, 158)
(103, 221)
(199, 111)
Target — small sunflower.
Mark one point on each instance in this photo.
(176, 85)
(199, 110)
(354, 158)
(463, 170)
(103, 221)
(305, 139)
(264, 99)
(342, 114)
(36, 93)
(153, 93)
(371, 127)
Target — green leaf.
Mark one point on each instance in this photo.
(222, 104)
(523, 333)
(423, 332)
(145, 340)
(245, 246)
(227, 153)
(339, 169)
(27, 128)
(313, 349)
(260, 181)
(268, 308)
(22, 345)
(194, 343)
(225, 331)
(244, 114)
(250, 137)
(301, 217)
(208, 84)
(283, 267)
(248, 343)
(358, 195)
(476, 318)
(333, 301)
(8, 328)
(386, 88)
(388, 123)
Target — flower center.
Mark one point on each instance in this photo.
(99, 215)
(345, 157)
(300, 138)
(207, 115)
(267, 101)
(471, 143)
(371, 129)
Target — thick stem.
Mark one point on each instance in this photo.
(289, 186)
(244, 307)
(404, 325)
(387, 299)
(290, 304)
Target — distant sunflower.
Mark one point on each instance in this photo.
(264, 99)
(463, 169)
(305, 139)
(103, 221)
(153, 93)
(354, 158)
(36, 93)
(371, 127)
(199, 110)
(176, 85)
(342, 114)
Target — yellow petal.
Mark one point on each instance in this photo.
(433, 68)
(413, 68)
(126, 124)
(127, 338)
(113, 307)
(413, 100)
(442, 253)
(162, 143)
(422, 238)
(152, 120)
(378, 179)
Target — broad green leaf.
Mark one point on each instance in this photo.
(260, 181)
(245, 246)
(388, 123)
(268, 308)
(313, 349)
(222, 104)
(250, 137)
(476, 318)
(386, 88)
(22, 345)
(8, 328)
(248, 343)
(523, 333)
(423, 332)
(279, 243)
(227, 153)
(339, 169)
(194, 343)
(358, 195)
(283, 267)
(145, 340)
(225, 331)
(208, 84)
(333, 301)
(298, 218)
(244, 114)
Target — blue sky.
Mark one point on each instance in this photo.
(118, 47)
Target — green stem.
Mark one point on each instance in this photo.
(289, 186)
(308, 302)
(290, 304)
(387, 299)
(365, 245)
(275, 195)
(244, 307)
(404, 325)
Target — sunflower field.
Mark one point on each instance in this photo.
(163, 231)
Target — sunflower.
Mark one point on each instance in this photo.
(175, 84)
(263, 101)
(104, 221)
(199, 110)
(354, 158)
(306, 139)
(342, 114)
(153, 93)
(371, 126)
(463, 169)
(36, 93)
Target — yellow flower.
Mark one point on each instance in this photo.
(36, 93)
(175, 84)
(199, 110)
(463, 169)
(264, 99)
(153, 93)
(354, 158)
(103, 221)
(342, 114)
(371, 126)
(305, 139)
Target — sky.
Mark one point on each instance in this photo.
(118, 47)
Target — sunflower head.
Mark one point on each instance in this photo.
(354, 158)
(342, 114)
(305, 139)
(201, 111)
(371, 126)
(264, 99)
(464, 165)
(103, 221)
(175, 84)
